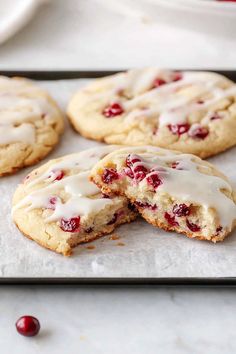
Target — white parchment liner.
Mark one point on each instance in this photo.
(147, 251)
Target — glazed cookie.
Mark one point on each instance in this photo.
(192, 112)
(58, 207)
(30, 124)
(173, 191)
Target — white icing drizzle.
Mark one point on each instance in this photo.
(165, 102)
(24, 133)
(19, 110)
(82, 195)
(188, 183)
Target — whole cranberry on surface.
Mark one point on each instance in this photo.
(28, 326)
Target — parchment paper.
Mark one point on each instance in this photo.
(147, 251)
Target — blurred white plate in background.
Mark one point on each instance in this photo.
(14, 14)
(211, 16)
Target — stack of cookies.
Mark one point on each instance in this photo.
(167, 121)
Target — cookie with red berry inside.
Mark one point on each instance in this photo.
(173, 191)
(30, 124)
(192, 112)
(58, 207)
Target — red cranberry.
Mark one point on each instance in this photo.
(114, 109)
(56, 175)
(175, 165)
(109, 175)
(28, 326)
(131, 207)
(215, 116)
(70, 225)
(177, 76)
(181, 210)
(146, 205)
(52, 203)
(193, 227)
(158, 82)
(200, 101)
(179, 129)
(88, 230)
(154, 180)
(129, 172)
(140, 172)
(131, 159)
(199, 132)
(219, 229)
(113, 219)
(171, 219)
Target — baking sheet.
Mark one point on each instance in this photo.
(146, 251)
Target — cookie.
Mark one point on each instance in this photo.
(173, 191)
(30, 124)
(59, 208)
(192, 112)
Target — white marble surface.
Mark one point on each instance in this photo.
(83, 34)
(120, 320)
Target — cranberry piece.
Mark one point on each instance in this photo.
(140, 172)
(129, 172)
(146, 205)
(177, 76)
(70, 225)
(113, 220)
(181, 210)
(215, 116)
(88, 230)
(131, 207)
(158, 82)
(52, 203)
(109, 175)
(60, 175)
(171, 219)
(179, 129)
(175, 165)
(200, 102)
(132, 159)
(193, 227)
(56, 175)
(28, 326)
(154, 180)
(114, 109)
(199, 132)
(219, 229)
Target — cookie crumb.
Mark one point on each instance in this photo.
(114, 237)
(90, 247)
(120, 244)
